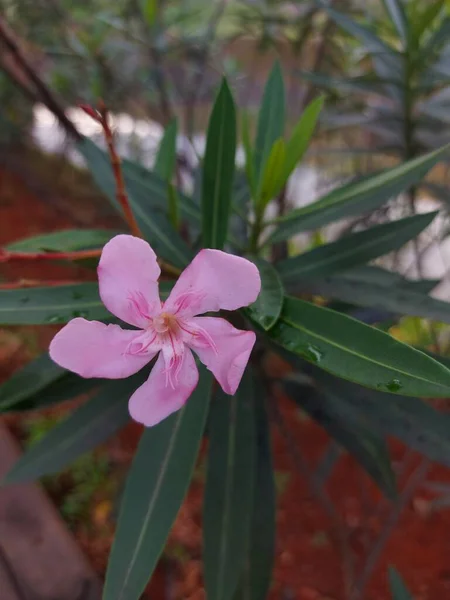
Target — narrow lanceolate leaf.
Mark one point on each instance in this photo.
(398, 16)
(82, 431)
(41, 383)
(353, 250)
(405, 299)
(156, 485)
(167, 152)
(399, 590)
(249, 160)
(55, 304)
(148, 201)
(267, 307)
(357, 352)
(229, 488)
(357, 197)
(301, 136)
(218, 170)
(347, 428)
(270, 120)
(413, 421)
(260, 546)
(67, 240)
(272, 181)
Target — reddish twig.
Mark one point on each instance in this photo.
(31, 283)
(7, 256)
(102, 117)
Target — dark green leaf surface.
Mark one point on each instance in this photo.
(353, 250)
(90, 425)
(167, 152)
(270, 120)
(156, 485)
(229, 490)
(399, 590)
(356, 197)
(357, 352)
(347, 428)
(407, 298)
(267, 307)
(260, 546)
(56, 304)
(218, 170)
(398, 17)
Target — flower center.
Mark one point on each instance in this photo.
(165, 322)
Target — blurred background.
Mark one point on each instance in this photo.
(152, 61)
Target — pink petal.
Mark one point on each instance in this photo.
(156, 399)
(93, 349)
(128, 279)
(212, 281)
(229, 356)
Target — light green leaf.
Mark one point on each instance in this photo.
(399, 590)
(229, 489)
(357, 352)
(218, 170)
(260, 545)
(270, 120)
(93, 423)
(357, 197)
(353, 250)
(150, 11)
(398, 17)
(272, 177)
(166, 156)
(67, 240)
(267, 307)
(301, 136)
(155, 488)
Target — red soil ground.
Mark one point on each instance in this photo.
(308, 561)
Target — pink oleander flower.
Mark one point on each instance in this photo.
(128, 281)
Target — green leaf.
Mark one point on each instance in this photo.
(345, 426)
(166, 156)
(301, 136)
(218, 170)
(399, 590)
(156, 485)
(260, 546)
(357, 197)
(249, 159)
(405, 299)
(271, 181)
(270, 119)
(150, 11)
(363, 83)
(353, 250)
(397, 14)
(50, 305)
(357, 352)
(56, 304)
(173, 205)
(413, 421)
(229, 490)
(143, 198)
(67, 240)
(93, 423)
(41, 383)
(372, 43)
(267, 307)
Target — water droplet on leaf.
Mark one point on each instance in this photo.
(54, 319)
(394, 385)
(313, 353)
(79, 313)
